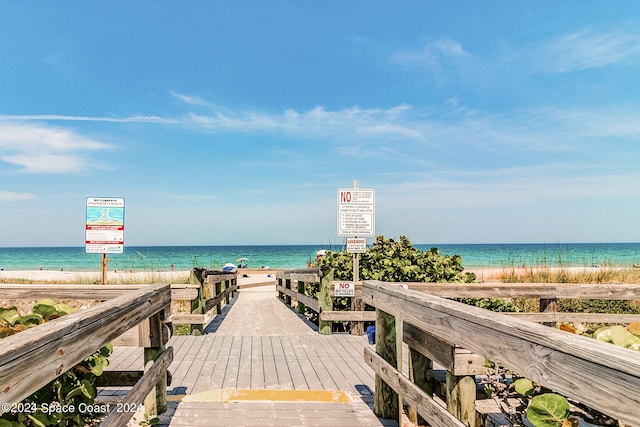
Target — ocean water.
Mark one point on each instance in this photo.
(159, 258)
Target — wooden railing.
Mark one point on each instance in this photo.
(291, 287)
(460, 337)
(207, 291)
(31, 359)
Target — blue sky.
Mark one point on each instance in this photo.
(235, 122)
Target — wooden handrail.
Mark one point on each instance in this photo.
(600, 375)
(544, 292)
(31, 359)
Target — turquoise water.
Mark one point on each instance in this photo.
(158, 258)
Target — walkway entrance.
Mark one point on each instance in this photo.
(261, 364)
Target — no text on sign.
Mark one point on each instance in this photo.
(356, 212)
(344, 289)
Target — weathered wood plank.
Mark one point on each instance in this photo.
(62, 291)
(428, 408)
(602, 376)
(312, 275)
(218, 375)
(208, 361)
(284, 376)
(184, 291)
(257, 364)
(195, 319)
(530, 290)
(355, 316)
(217, 300)
(308, 301)
(293, 364)
(577, 317)
(233, 364)
(141, 389)
(307, 366)
(326, 302)
(54, 347)
(85, 291)
(346, 348)
(332, 366)
(244, 364)
(219, 276)
(269, 364)
(191, 359)
(454, 359)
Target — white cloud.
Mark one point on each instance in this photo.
(38, 148)
(434, 54)
(191, 100)
(587, 49)
(9, 196)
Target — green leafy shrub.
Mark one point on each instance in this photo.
(61, 402)
(398, 261)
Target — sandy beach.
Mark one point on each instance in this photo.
(245, 276)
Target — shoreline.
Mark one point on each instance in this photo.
(245, 276)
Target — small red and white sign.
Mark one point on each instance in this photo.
(344, 289)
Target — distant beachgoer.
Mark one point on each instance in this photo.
(171, 267)
(309, 265)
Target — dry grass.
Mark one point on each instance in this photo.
(609, 275)
(596, 275)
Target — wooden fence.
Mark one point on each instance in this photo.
(291, 287)
(31, 359)
(206, 293)
(460, 337)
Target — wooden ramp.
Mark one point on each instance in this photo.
(261, 364)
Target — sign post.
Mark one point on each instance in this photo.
(104, 228)
(356, 217)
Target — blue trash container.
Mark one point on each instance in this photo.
(371, 333)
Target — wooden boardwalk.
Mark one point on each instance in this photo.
(261, 364)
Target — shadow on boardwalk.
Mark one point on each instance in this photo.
(261, 364)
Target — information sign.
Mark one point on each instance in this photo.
(356, 245)
(104, 229)
(356, 212)
(344, 289)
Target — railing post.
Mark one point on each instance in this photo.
(218, 292)
(461, 398)
(357, 304)
(287, 298)
(385, 399)
(197, 304)
(301, 306)
(227, 284)
(280, 294)
(549, 305)
(419, 366)
(325, 327)
(156, 402)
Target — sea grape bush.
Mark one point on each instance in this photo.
(394, 261)
(545, 409)
(398, 261)
(75, 388)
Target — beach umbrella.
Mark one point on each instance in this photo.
(242, 260)
(229, 267)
